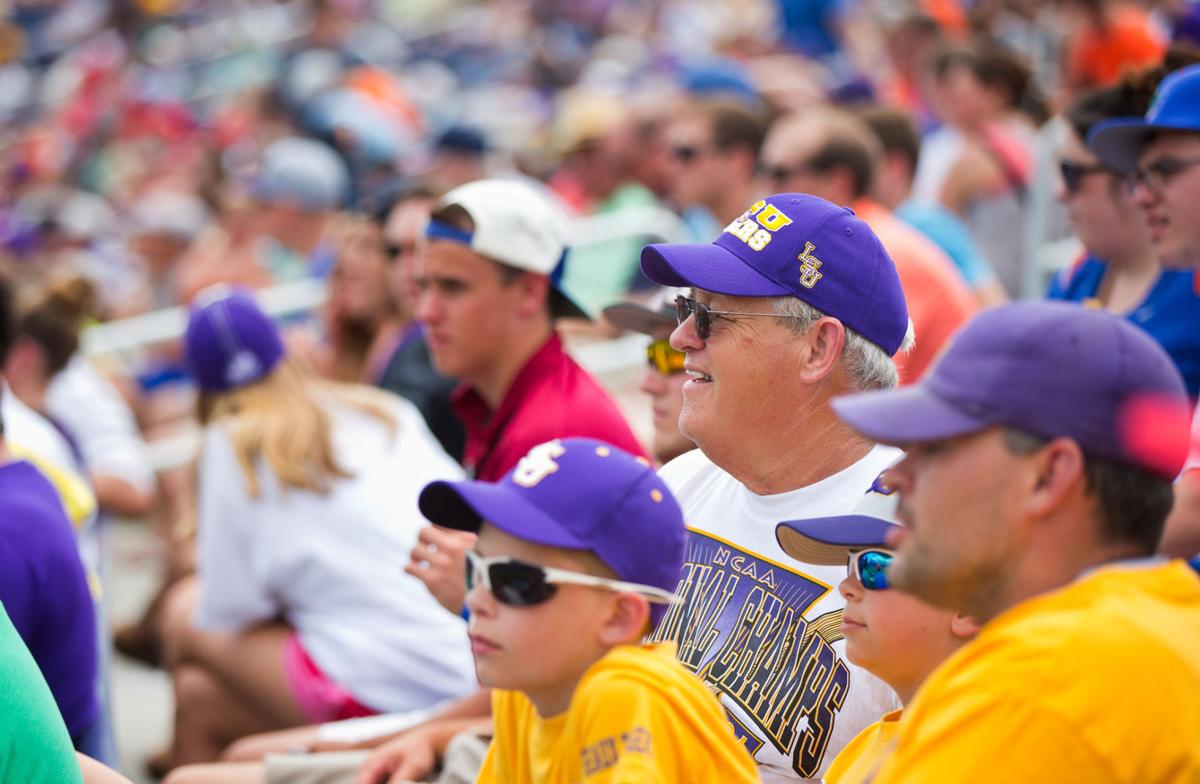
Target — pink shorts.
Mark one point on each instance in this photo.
(319, 698)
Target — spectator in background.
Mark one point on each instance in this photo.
(459, 156)
(299, 186)
(44, 588)
(34, 743)
(361, 319)
(833, 155)
(45, 369)
(897, 135)
(713, 150)
(164, 225)
(978, 165)
(1107, 39)
(408, 370)
(306, 504)
(664, 377)
(489, 297)
(1120, 272)
(596, 135)
(1162, 152)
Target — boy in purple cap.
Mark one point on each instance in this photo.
(893, 635)
(1036, 508)
(579, 551)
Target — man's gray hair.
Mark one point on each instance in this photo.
(869, 365)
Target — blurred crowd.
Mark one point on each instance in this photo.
(161, 153)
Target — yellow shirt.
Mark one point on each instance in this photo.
(1097, 682)
(636, 716)
(860, 759)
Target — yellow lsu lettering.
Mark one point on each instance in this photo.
(755, 226)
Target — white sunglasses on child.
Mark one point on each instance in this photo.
(521, 584)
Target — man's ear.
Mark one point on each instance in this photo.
(1055, 470)
(628, 619)
(964, 626)
(532, 291)
(823, 348)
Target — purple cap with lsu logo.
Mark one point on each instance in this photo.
(229, 342)
(793, 244)
(577, 494)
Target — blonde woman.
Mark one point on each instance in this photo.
(301, 611)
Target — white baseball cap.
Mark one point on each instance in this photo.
(516, 225)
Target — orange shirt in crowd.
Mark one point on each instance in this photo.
(939, 302)
(1098, 56)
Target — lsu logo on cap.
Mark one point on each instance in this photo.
(538, 464)
(809, 266)
(756, 225)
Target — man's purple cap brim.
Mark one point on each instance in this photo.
(906, 416)
(466, 505)
(709, 267)
(827, 541)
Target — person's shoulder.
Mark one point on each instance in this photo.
(26, 492)
(635, 674)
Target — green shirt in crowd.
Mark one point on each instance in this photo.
(34, 745)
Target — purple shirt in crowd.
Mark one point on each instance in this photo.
(45, 590)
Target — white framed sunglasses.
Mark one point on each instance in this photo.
(521, 584)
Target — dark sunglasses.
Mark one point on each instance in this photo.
(664, 358)
(686, 306)
(685, 153)
(520, 584)
(1156, 175)
(1073, 173)
(870, 567)
(778, 174)
(395, 251)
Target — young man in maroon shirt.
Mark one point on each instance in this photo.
(488, 280)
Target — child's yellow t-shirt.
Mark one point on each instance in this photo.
(637, 715)
(861, 758)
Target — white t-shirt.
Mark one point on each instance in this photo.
(31, 430)
(332, 566)
(763, 630)
(90, 407)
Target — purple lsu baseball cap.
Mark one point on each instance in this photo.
(1118, 142)
(1050, 369)
(793, 244)
(229, 341)
(827, 541)
(578, 494)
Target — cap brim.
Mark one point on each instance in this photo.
(562, 306)
(826, 541)
(638, 318)
(905, 416)
(466, 505)
(1118, 143)
(706, 266)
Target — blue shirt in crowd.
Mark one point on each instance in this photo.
(949, 233)
(45, 590)
(1170, 313)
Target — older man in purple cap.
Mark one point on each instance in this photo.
(1036, 507)
(795, 303)
(1162, 151)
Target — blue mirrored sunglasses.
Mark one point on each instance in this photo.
(870, 567)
